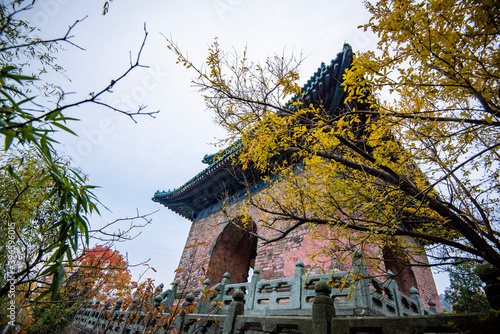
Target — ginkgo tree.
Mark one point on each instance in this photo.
(410, 159)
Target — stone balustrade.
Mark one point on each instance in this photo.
(294, 296)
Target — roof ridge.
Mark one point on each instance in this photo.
(324, 86)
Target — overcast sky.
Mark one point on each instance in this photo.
(131, 161)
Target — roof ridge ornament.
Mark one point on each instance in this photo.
(324, 88)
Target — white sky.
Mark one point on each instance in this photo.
(131, 161)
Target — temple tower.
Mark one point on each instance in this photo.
(216, 245)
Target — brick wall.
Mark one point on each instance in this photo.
(214, 246)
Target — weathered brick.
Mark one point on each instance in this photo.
(226, 248)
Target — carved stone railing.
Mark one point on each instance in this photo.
(308, 309)
(324, 321)
(292, 296)
(115, 321)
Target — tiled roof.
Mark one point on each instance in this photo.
(216, 182)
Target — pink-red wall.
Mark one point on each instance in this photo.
(215, 246)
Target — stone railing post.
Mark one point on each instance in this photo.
(296, 297)
(169, 297)
(225, 279)
(97, 312)
(158, 290)
(105, 316)
(490, 275)
(179, 321)
(432, 307)
(235, 308)
(362, 294)
(134, 305)
(415, 296)
(131, 311)
(123, 325)
(221, 289)
(174, 290)
(118, 305)
(252, 289)
(78, 312)
(157, 300)
(112, 319)
(323, 309)
(393, 287)
(203, 300)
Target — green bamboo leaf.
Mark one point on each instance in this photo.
(57, 280)
(13, 174)
(8, 140)
(43, 295)
(62, 127)
(50, 270)
(53, 115)
(43, 181)
(70, 259)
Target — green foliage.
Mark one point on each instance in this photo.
(46, 205)
(19, 44)
(68, 193)
(45, 202)
(57, 187)
(465, 293)
(51, 318)
(45, 199)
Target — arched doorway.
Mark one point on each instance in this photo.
(233, 251)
